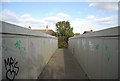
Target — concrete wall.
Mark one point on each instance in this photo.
(25, 52)
(97, 53)
(0, 52)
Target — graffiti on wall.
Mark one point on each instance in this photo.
(107, 49)
(12, 69)
(97, 47)
(32, 51)
(19, 46)
(108, 52)
(91, 46)
(32, 48)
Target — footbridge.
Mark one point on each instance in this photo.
(28, 54)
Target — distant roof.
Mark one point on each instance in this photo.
(47, 31)
(87, 31)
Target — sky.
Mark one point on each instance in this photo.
(83, 16)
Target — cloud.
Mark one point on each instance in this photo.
(28, 20)
(79, 25)
(23, 20)
(26, 16)
(52, 19)
(9, 16)
(93, 23)
(5, 0)
(105, 6)
(104, 21)
(91, 17)
(82, 25)
(107, 20)
(57, 17)
(63, 15)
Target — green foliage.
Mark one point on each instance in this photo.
(62, 43)
(64, 31)
(54, 34)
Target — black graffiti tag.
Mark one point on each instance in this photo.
(11, 67)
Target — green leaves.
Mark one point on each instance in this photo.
(64, 29)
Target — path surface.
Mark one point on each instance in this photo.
(63, 65)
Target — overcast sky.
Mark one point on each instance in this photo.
(81, 15)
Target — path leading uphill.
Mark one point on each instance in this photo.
(63, 65)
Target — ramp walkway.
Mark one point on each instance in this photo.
(63, 65)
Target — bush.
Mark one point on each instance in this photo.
(62, 42)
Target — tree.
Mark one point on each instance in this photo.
(76, 34)
(64, 29)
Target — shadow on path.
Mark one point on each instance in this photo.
(63, 65)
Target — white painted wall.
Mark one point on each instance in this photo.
(31, 49)
(97, 53)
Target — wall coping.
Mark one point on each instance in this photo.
(110, 32)
(12, 29)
